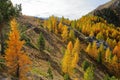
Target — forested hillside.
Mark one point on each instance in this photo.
(109, 11)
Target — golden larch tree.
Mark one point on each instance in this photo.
(116, 50)
(101, 48)
(115, 64)
(45, 24)
(71, 35)
(16, 60)
(66, 61)
(49, 25)
(76, 48)
(114, 43)
(60, 27)
(75, 53)
(71, 57)
(65, 33)
(91, 34)
(88, 49)
(101, 52)
(114, 59)
(107, 55)
(109, 41)
(100, 36)
(70, 47)
(94, 51)
(74, 61)
(54, 23)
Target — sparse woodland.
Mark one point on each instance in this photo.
(58, 43)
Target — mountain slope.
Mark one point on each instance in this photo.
(51, 57)
(109, 11)
(53, 53)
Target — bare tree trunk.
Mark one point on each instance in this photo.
(17, 72)
(1, 38)
(2, 43)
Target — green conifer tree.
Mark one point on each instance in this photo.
(41, 42)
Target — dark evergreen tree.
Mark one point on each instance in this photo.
(7, 12)
(66, 77)
(99, 58)
(41, 42)
(50, 75)
(85, 65)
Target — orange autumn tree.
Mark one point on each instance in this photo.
(116, 50)
(16, 60)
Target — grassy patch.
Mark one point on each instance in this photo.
(2, 63)
(28, 41)
(48, 49)
(38, 72)
(22, 28)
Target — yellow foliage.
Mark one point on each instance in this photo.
(94, 51)
(76, 48)
(60, 27)
(70, 58)
(101, 49)
(100, 36)
(114, 43)
(76, 79)
(65, 33)
(66, 61)
(75, 60)
(16, 60)
(71, 35)
(88, 49)
(70, 47)
(91, 34)
(116, 50)
(114, 59)
(107, 55)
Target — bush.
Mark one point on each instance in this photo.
(22, 28)
(27, 41)
(107, 77)
(66, 77)
(89, 73)
(85, 65)
(50, 75)
(25, 37)
(41, 42)
(99, 58)
(2, 65)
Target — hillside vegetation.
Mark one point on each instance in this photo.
(109, 11)
(59, 49)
